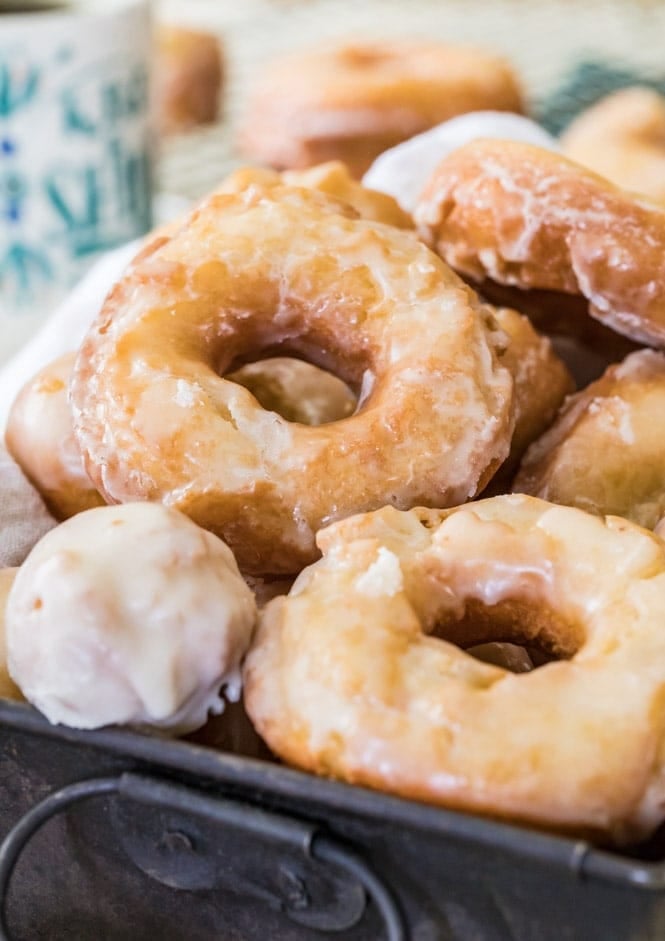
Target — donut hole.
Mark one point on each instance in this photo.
(296, 390)
(514, 634)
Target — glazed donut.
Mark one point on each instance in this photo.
(541, 381)
(129, 614)
(384, 698)
(527, 217)
(40, 438)
(332, 178)
(156, 420)
(8, 688)
(403, 170)
(622, 137)
(187, 78)
(606, 451)
(352, 101)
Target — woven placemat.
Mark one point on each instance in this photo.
(569, 53)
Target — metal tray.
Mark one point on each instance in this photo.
(158, 839)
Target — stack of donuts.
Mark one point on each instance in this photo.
(312, 438)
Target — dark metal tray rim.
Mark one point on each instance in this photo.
(272, 780)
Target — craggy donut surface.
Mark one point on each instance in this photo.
(40, 438)
(332, 178)
(542, 381)
(527, 217)
(606, 451)
(353, 101)
(376, 699)
(289, 269)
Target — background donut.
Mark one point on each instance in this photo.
(352, 101)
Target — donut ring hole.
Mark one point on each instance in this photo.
(317, 348)
(514, 634)
(312, 378)
(281, 270)
(296, 390)
(506, 617)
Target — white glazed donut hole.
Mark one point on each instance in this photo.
(403, 170)
(129, 614)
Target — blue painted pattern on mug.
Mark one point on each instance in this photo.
(92, 191)
(94, 200)
(18, 86)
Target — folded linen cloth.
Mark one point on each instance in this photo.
(24, 518)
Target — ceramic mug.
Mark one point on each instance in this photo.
(74, 148)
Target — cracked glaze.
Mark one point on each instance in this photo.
(605, 453)
(526, 217)
(283, 268)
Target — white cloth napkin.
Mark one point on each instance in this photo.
(24, 518)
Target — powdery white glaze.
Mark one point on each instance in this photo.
(129, 615)
(403, 171)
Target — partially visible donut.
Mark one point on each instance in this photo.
(8, 688)
(384, 697)
(288, 269)
(622, 137)
(188, 74)
(352, 101)
(606, 451)
(527, 217)
(40, 438)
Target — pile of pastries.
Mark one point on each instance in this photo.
(312, 445)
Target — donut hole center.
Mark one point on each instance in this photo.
(514, 634)
(297, 390)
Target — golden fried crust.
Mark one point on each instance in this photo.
(40, 438)
(188, 76)
(288, 269)
(8, 688)
(332, 178)
(385, 697)
(622, 137)
(351, 102)
(542, 381)
(606, 451)
(527, 217)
